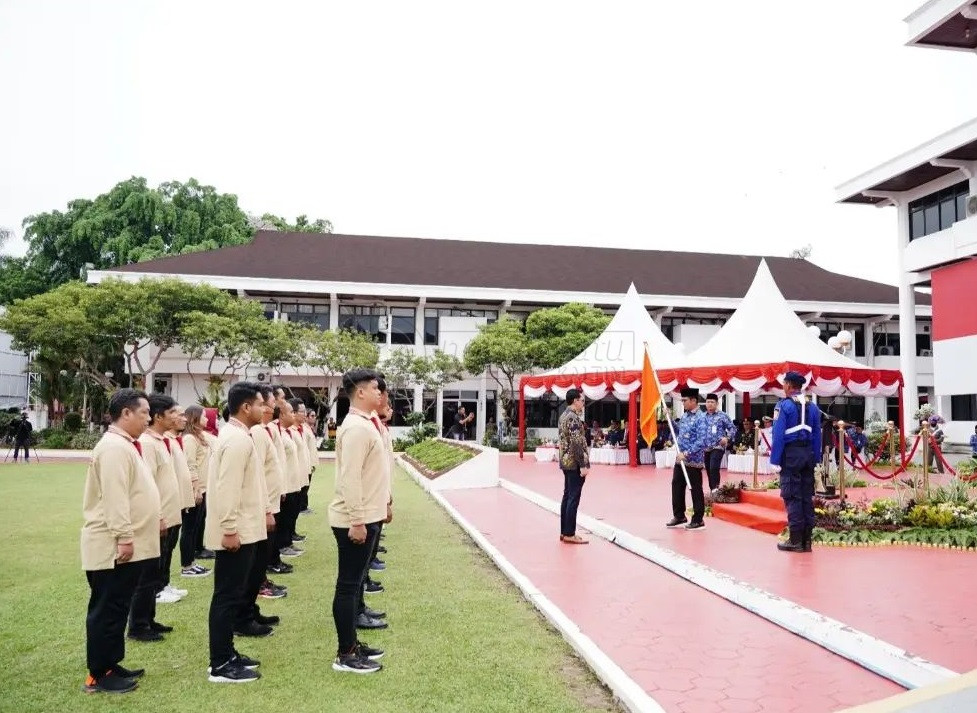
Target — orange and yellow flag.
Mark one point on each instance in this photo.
(651, 396)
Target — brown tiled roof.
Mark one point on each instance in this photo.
(416, 261)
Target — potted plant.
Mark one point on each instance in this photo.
(729, 492)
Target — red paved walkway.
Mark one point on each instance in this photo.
(918, 599)
(691, 650)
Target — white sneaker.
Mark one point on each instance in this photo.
(165, 597)
(173, 590)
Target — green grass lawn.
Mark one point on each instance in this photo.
(461, 638)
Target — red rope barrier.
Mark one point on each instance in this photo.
(865, 466)
(878, 453)
(939, 454)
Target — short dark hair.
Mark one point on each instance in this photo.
(243, 392)
(296, 403)
(381, 383)
(125, 399)
(277, 413)
(275, 388)
(572, 395)
(265, 391)
(354, 377)
(159, 404)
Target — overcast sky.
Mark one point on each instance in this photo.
(708, 126)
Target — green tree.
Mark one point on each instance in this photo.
(403, 370)
(302, 224)
(19, 279)
(558, 334)
(503, 349)
(328, 354)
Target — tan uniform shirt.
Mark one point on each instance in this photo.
(183, 475)
(236, 492)
(271, 469)
(121, 504)
(293, 469)
(198, 452)
(160, 462)
(302, 456)
(362, 473)
(310, 443)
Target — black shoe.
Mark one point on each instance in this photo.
(160, 628)
(280, 568)
(676, 522)
(121, 670)
(368, 652)
(267, 620)
(695, 525)
(372, 587)
(298, 538)
(806, 539)
(205, 555)
(381, 550)
(253, 628)
(246, 661)
(354, 663)
(145, 635)
(794, 544)
(374, 614)
(109, 683)
(365, 622)
(232, 672)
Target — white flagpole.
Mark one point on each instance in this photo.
(671, 427)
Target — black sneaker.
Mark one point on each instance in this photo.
(676, 522)
(267, 620)
(373, 587)
(232, 672)
(274, 585)
(145, 635)
(695, 525)
(110, 683)
(368, 652)
(121, 670)
(366, 622)
(373, 613)
(160, 628)
(298, 538)
(381, 550)
(253, 628)
(280, 568)
(205, 555)
(246, 661)
(354, 663)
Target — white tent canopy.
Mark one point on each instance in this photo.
(764, 339)
(613, 361)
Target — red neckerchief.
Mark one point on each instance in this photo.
(179, 439)
(119, 432)
(166, 442)
(268, 429)
(300, 429)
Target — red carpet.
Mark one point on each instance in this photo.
(761, 510)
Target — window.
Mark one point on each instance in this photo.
(830, 329)
(432, 315)
(543, 412)
(365, 320)
(923, 341)
(402, 401)
(892, 410)
(315, 314)
(402, 321)
(847, 408)
(938, 211)
(963, 407)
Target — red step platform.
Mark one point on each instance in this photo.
(761, 510)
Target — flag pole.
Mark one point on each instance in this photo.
(671, 428)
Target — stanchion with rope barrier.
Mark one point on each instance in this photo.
(859, 463)
(939, 454)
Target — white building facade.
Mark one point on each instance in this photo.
(14, 377)
(394, 290)
(933, 189)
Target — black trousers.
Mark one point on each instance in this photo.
(108, 606)
(26, 446)
(289, 514)
(361, 605)
(166, 555)
(256, 576)
(142, 613)
(274, 557)
(201, 519)
(304, 495)
(188, 536)
(714, 460)
(678, 493)
(354, 563)
(797, 485)
(231, 571)
(572, 487)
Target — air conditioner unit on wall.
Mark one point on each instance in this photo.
(887, 351)
(926, 352)
(972, 206)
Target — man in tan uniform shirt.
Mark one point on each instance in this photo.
(236, 524)
(119, 539)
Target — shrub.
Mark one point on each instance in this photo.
(72, 422)
(85, 441)
(329, 444)
(54, 438)
(438, 457)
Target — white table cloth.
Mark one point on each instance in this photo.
(646, 456)
(744, 464)
(609, 456)
(546, 455)
(665, 459)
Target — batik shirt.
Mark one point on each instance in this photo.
(573, 442)
(691, 435)
(718, 426)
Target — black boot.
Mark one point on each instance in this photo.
(794, 544)
(806, 540)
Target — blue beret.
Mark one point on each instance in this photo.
(794, 377)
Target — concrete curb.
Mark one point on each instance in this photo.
(876, 655)
(629, 693)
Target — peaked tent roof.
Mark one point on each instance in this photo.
(614, 360)
(764, 339)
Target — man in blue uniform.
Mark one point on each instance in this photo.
(691, 446)
(719, 432)
(795, 449)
